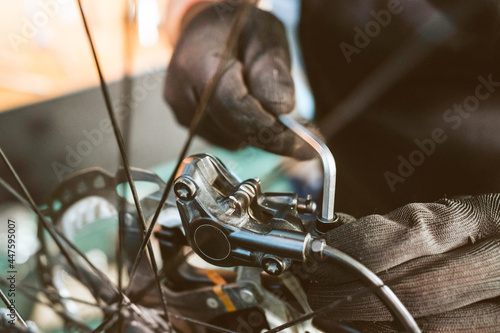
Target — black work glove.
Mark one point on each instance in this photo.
(441, 259)
(255, 87)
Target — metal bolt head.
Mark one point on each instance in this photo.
(273, 265)
(212, 303)
(184, 188)
(247, 296)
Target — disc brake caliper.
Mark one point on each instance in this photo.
(232, 223)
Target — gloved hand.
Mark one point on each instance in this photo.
(441, 259)
(255, 87)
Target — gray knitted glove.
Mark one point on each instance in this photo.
(441, 259)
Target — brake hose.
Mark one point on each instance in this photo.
(384, 293)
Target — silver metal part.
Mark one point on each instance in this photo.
(329, 166)
(247, 296)
(212, 303)
(276, 309)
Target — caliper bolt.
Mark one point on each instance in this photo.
(184, 188)
(212, 303)
(247, 296)
(273, 265)
(306, 206)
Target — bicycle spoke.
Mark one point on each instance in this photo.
(115, 326)
(236, 26)
(106, 324)
(9, 306)
(53, 232)
(349, 298)
(14, 192)
(318, 312)
(121, 146)
(119, 250)
(56, 294)
(128, 55)
(61, 314)
(140, 293)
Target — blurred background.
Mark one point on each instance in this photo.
(44, 51)
(49, 89)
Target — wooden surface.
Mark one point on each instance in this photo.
(44, 52)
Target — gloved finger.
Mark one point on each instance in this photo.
(180, 100)
(183, 95)
(194, 62)
(413, 231)
(426, 286)
(481, 317)
(180, 89)
(235, 109)
(267, 64)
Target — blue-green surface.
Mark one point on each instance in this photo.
(246, 163)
